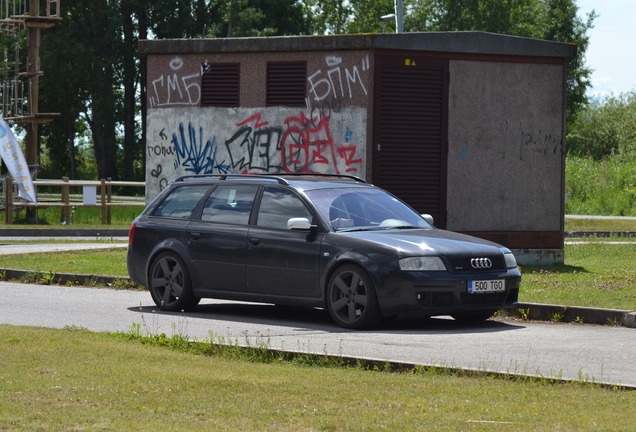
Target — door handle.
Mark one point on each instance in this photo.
(194, 235)
(254, 241)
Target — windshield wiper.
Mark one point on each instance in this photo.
(357, 229)
(402, 227)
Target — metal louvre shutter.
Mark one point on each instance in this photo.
(286, 83)
(410, 132)
(220, 85)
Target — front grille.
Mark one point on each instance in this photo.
(463, 264)
(447, 298)
(485, 299)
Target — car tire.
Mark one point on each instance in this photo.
(473, 316)
(351, 298)
(170, 284)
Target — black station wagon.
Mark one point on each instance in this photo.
(332, 242)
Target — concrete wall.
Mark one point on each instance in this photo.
(506, 146)
(328, 135)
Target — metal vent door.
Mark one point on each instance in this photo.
(410, 131)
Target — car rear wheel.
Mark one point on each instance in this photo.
(473, 316)
(170, 284)
(351, 298)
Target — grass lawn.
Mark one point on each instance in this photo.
(76, 380)
(595, 274)
(576, 224)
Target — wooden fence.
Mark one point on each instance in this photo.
(66, 201)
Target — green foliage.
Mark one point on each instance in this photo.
(330, 16)
(601, 162)
(601, 187)
(605, 128)
(366, 16)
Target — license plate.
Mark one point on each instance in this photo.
(486, 286)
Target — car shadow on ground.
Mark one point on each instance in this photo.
(311, 319)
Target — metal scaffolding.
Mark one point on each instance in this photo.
(20, 83)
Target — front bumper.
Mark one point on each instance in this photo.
(416, 293)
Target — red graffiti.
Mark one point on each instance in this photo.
(348, 154)
(307, 143)
(256, 118)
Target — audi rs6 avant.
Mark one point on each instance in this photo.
(332, 242)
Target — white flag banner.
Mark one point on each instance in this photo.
(11, 154)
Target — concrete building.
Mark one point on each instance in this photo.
(467, 126)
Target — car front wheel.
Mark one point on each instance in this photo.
(170, 284)
(351, 298)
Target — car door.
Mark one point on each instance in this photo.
(218, 239)
(281, 261)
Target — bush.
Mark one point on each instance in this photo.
(601, 187)
(606, 127)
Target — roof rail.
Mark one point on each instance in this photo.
(279, 177)
(341, 176)
(232, 176)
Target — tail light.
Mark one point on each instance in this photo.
(131, 234)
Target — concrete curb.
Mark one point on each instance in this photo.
(580, 314)
(67, 279)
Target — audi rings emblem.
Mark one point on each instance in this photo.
(481, 263)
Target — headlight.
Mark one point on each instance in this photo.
(511, 262)
(422, 264)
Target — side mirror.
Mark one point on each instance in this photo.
(428, 218)
(299, 224)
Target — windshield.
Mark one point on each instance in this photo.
(352, 209)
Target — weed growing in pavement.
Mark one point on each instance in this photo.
(557, 317)
(44, 278)
(125, 284)
(524, 314)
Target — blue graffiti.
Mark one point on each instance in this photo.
(195, 156)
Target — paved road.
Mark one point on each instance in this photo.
(599, 353)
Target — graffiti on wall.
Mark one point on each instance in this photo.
(246, 142)
(338, 81)
(328, 136)
(174, 87)
(522, 143)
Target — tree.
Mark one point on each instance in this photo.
(564, 26)
(329, 16)
(605, 127)
(366, 16)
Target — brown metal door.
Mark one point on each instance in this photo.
(410, 131)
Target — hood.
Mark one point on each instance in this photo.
(428, 242)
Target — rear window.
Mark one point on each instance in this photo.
(181, 202)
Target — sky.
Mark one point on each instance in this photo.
(612, 50)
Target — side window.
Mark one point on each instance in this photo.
(181, 202)
(278, 206)
(230, 204)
